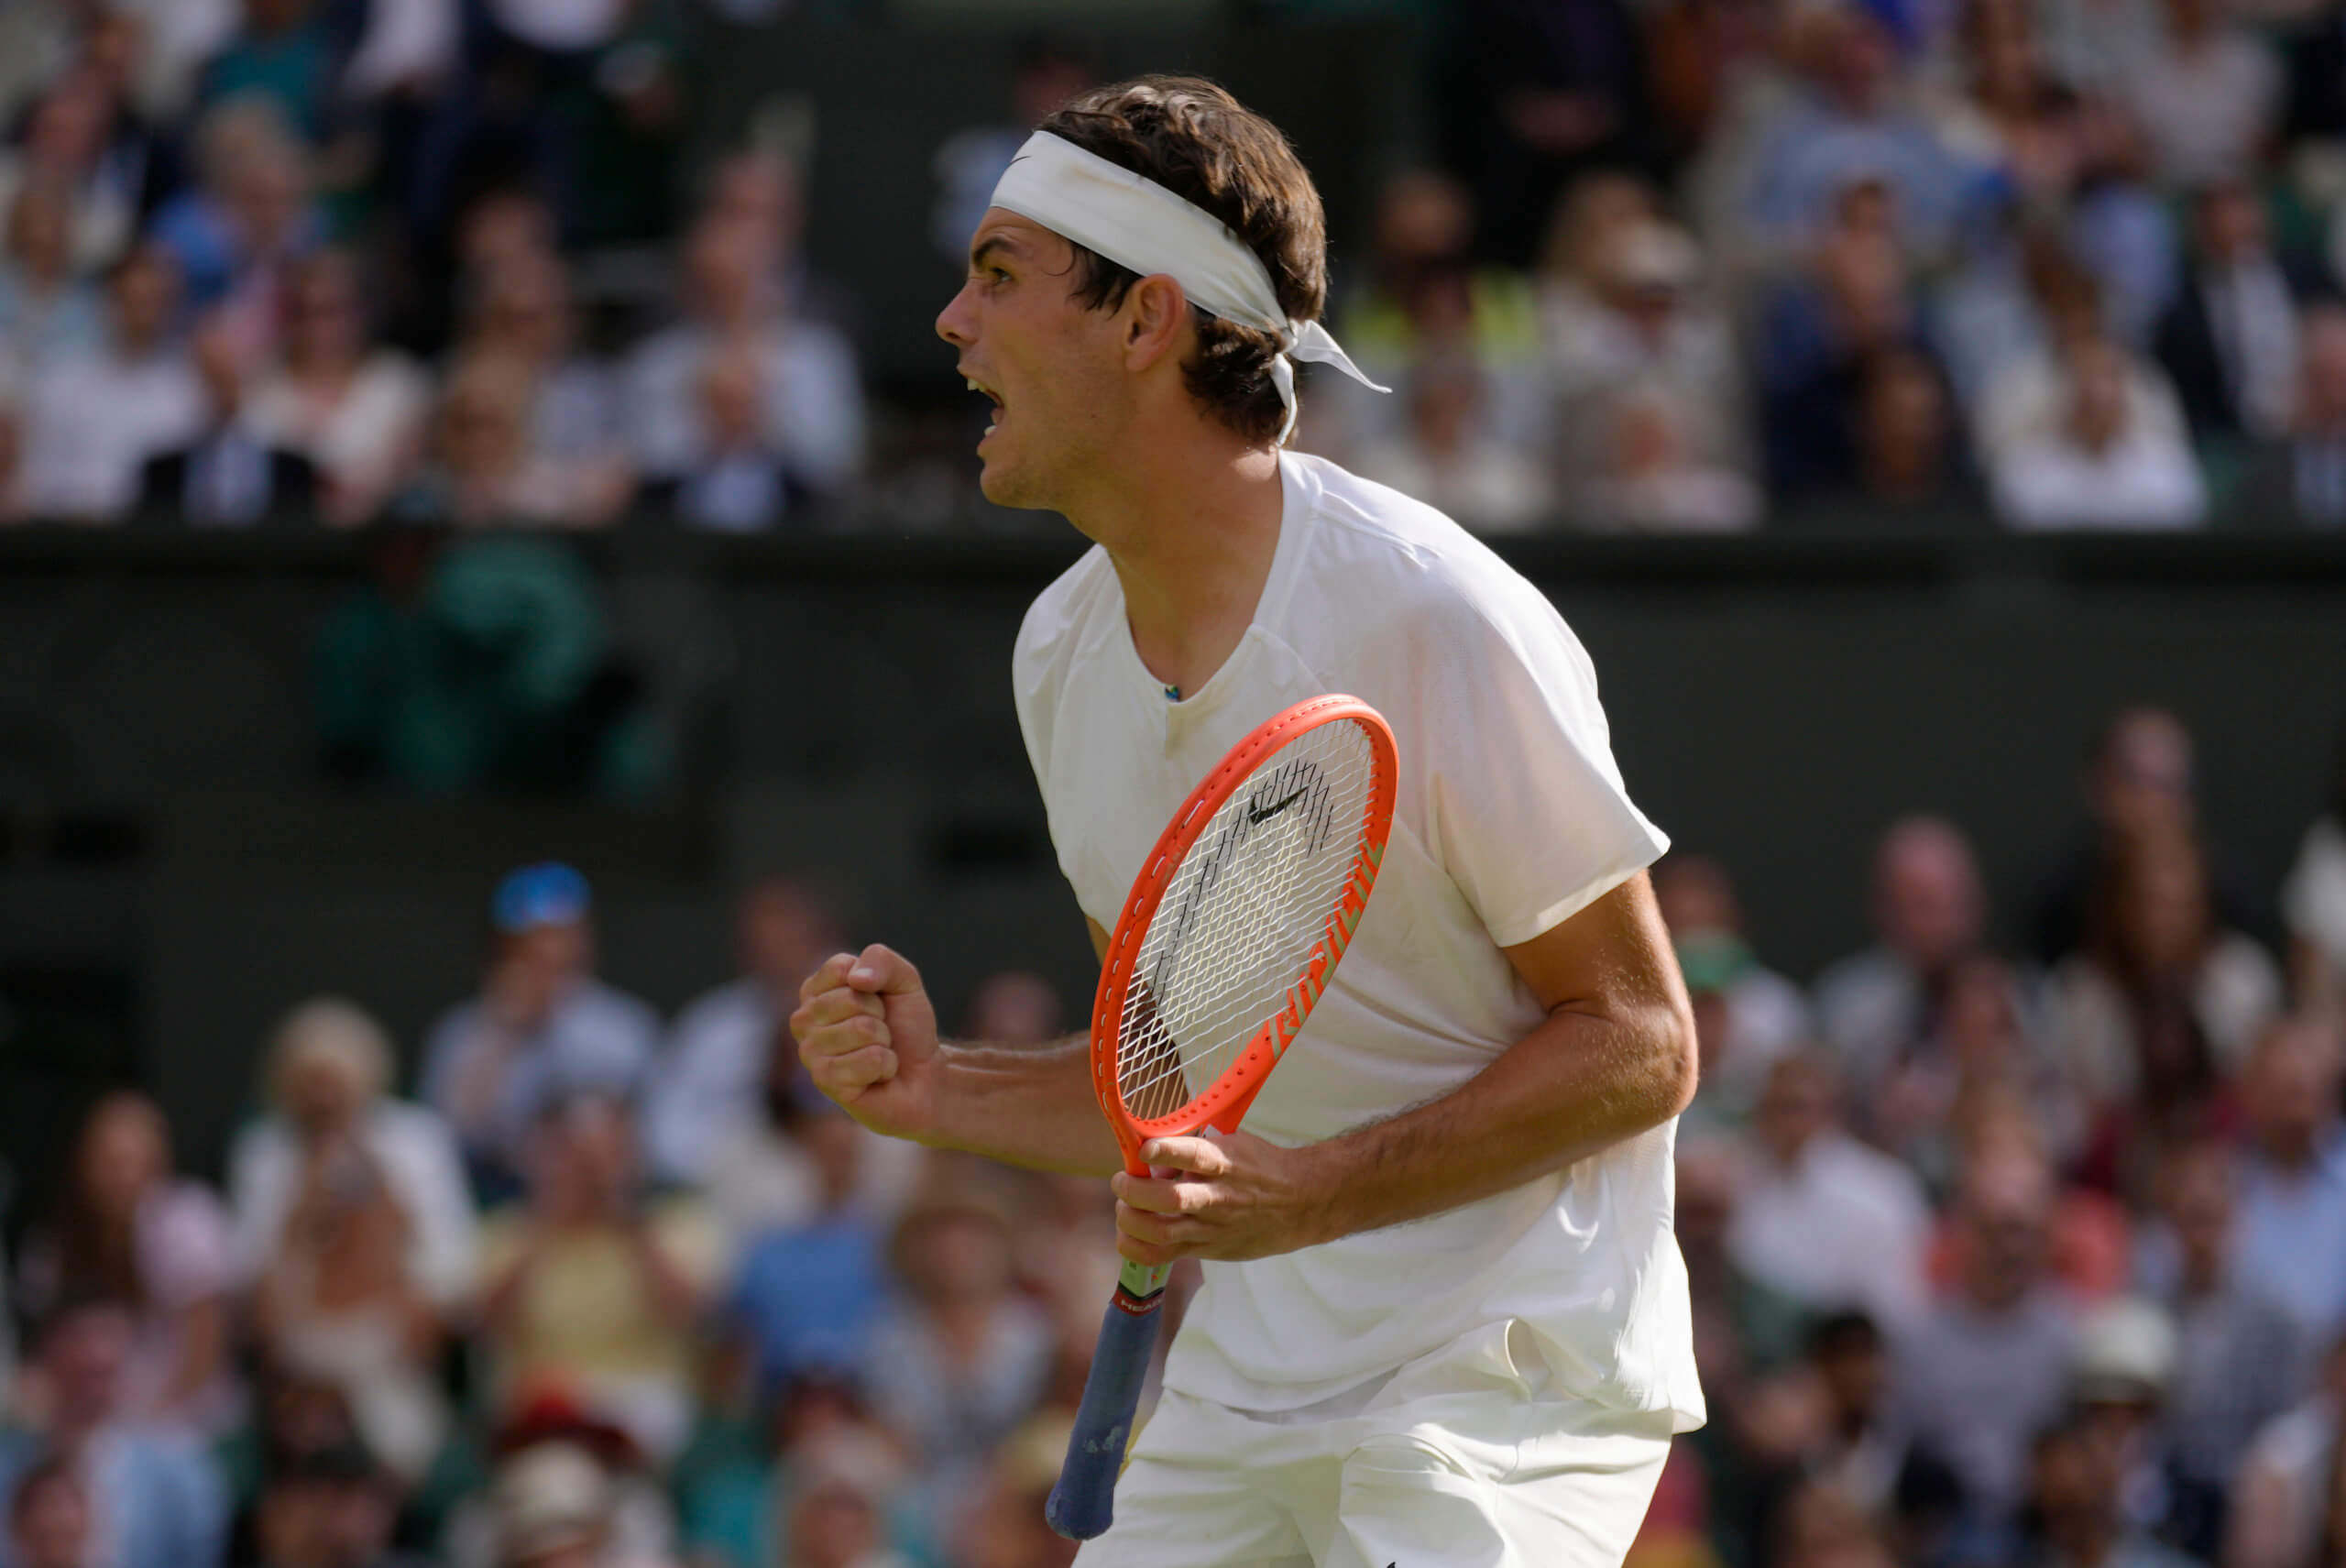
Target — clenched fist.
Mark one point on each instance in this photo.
(866, 1034)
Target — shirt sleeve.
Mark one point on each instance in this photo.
(1525, 807)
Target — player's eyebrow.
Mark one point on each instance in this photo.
(988, 246)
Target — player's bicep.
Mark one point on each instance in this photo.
(1613, 956)
(1099, 939)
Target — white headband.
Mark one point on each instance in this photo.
(1139, 223)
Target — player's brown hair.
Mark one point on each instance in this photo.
(1195, 139)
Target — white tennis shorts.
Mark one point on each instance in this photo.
(1462, 1459)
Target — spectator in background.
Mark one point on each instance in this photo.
(2141, 781)
(2313, 897)
(1011, 1529)
(591, 1288)
(91, 420)
(1553, 90)
(333, 1507)
(741, 482)
(1642, 321)
(1447, 456)
(483, 471)
(757, 191)
(226, 477)
(1858, 1453)
(1910, 468)
(838, 1516)
(2293, 1178)
(2029, 387)
(237, 235)
(554, 1505)
(2205, 96)
(1654, 482)
(717, 1053)
(760, 1174)
(1849, 127)
(353, 1221)
(1595, 212)
(1850, 305)
(1747, 1016)
(480, 666)
(638, 1519)
(51, 1523)
(1742, 1325)
(47, 308)
(1929, 911)
(1981, 1052)
(2119, 1382)
(962, 1360)
(1426, 297)
(1048, 72)
(2070, 217)
(284, 54)
(2241, 1360)
(128, 1230)
(588, 101)
(809, 1289)
(2101, 466)
(64, 144)
(1994, 118)
(1821, 1217)
(355, 411)
(1980, 1371)
(543, 1026)
(2160, 1002)
(2090, 1247)
(2285, 1501)
(811, 402)
(152, 1491)
(2075, 1515)
(521, 312)
(2299, 480)
(2230, 340)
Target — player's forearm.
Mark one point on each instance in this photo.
(1030, 1105)
(1574, 1086)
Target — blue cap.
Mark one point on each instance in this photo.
(549, 893)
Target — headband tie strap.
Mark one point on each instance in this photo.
(1139, 223)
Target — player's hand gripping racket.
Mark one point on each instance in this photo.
(1233, 926)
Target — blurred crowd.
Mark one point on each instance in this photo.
(330, 261)
(2016, 1240)
(607, 1291)
(1868, 263)
(1661, 265)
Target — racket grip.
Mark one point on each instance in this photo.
(1083, 1502)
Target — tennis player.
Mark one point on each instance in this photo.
(1445, 1322)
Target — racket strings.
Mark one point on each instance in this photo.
(1236, 926)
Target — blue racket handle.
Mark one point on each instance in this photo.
(1084, 1501)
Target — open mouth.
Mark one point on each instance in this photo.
(978, 386)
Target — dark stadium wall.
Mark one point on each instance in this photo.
(180, 871)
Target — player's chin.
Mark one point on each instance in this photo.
(1004, 480)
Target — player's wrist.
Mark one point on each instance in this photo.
(1326, 1192)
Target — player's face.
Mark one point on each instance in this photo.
(1049, 364)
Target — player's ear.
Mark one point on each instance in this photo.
(1155, 310)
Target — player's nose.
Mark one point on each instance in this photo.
(954, 323)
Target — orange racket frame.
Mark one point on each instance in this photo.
(1226, 1101)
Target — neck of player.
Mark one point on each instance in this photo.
(1190, 529)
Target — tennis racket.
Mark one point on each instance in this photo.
(1238, 918)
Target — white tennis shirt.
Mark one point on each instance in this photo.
(1511, 818)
